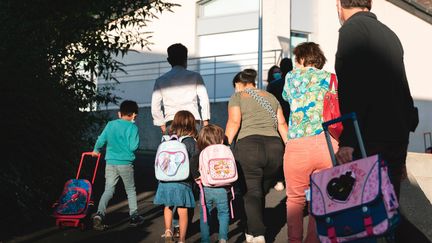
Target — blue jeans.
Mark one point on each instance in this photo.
(112, 174)
(217, 197)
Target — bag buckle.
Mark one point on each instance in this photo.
(331, 234)
(368, 224)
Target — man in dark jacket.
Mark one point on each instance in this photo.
(373, 84)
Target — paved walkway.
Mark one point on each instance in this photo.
(117, 216)
(415, 205)
(416, 192)
(153, 227)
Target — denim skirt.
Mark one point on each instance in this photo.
(175, 194)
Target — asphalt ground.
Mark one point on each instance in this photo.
(117, 218)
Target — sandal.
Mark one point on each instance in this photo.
(168, 236)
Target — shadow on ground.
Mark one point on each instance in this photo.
(119, 231)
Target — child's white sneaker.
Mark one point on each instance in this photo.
(259, 239)
(249, 238)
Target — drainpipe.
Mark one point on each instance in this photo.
(260, 44)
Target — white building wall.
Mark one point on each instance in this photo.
(223, 34)
(326, 35)
(178, 26)
(303, 15)
(276, 25)
(416, 37)
(218, 31)
(316, 17)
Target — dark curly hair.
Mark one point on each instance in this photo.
(311, 53)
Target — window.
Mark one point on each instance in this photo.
(297, 38)
(229, 43)
(227, 7)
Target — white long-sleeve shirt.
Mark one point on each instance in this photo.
(179, 89)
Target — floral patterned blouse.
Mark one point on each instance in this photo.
(305, 89)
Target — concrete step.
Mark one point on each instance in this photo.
(416, 192)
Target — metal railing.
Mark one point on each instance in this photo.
(217, 72)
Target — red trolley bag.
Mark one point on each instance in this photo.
(73, 205)
(355, 200)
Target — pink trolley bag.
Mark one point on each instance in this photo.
(73, 205)
(217, 168)
(355, 200)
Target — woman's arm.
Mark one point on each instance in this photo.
(282, 125)
(233, 123)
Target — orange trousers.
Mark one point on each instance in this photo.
(303, 156)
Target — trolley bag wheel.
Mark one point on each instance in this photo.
(82, 226)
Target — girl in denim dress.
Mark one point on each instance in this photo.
(178, 195)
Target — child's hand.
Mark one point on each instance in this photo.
(95, 154)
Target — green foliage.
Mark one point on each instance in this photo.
(51, 51)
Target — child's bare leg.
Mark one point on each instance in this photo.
(168, 214)
(183, 221)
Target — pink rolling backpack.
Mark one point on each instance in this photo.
(354, 200)
(217, 168)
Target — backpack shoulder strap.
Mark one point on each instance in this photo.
(202, 201)
(180, 139)
(165, 138)
(264, 103)
(333, 82)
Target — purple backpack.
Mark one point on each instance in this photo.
(354, 200)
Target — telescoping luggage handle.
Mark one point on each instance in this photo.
(353, 117)
(96, 166)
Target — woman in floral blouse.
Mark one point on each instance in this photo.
(306, 150)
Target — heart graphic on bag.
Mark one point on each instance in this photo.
(170, 161)
(340, 188)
